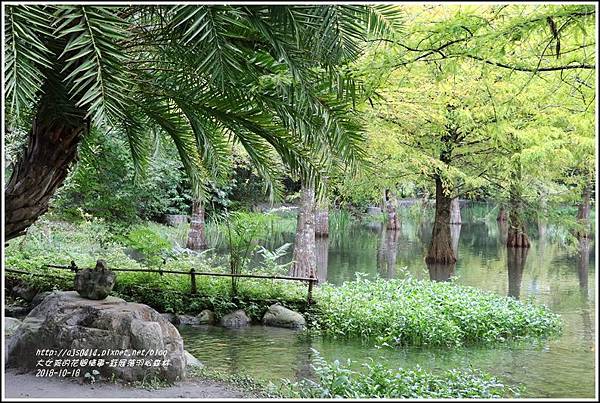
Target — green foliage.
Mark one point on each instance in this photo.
(337, 380)
(154, 248)
(413, 312)
(286, 95)
(103, 183)
(49, 242)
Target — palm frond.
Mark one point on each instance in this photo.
(94, 63)
(26, 55)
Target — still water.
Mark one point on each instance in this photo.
(551, 273)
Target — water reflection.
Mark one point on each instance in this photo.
(515, 263)
(440, 272)
(583, 264)
(387, 252)
(583, 275)
(548, 273)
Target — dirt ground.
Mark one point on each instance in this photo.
(18, 385)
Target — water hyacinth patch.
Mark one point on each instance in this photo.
(420, 313)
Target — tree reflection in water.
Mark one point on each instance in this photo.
(440, 272)
(516, 264)
(387, 252)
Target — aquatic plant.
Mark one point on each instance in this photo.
(417, 312)
(337, 380)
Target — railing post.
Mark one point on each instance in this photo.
(193, 278)
(73, 267)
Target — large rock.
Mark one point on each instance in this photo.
(10, 326)
(191, 361)
(109, 329)
(170, 317)
(95, 283)
(16, 311)
(235, 319)
(279, 316)
(24, 291)
(206, 317)
(187, 320)
(39, 298)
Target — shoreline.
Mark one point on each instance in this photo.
(20, 385)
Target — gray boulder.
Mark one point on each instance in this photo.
(95, 283)
(16, 311)
(10, 326)
(235, 319)
(108, 329)
(39, 297)
(206, 317)
(24, 292)
(187, 320)
(279, 316)
(191, 361)
(170, 317)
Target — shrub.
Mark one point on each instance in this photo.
(336, 380)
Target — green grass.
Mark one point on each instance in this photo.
(418, 312)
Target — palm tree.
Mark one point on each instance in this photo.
(270, 78)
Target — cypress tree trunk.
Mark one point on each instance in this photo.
(516, 263)
(440, 248)
(322, 221)
(583, 212)
(322, 257)
(455, 234)
(455, 212)
(517, 237)
(197, 235)
(304, 245)
(393, 221)
(42, 168)
(502, 217)
(502, 232)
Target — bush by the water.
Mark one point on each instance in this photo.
(336, 380)
(416, 312)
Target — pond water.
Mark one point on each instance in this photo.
(550, 273)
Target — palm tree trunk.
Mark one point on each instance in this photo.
(304, 257)
(197, 235)
(41, 170)
(440, 248)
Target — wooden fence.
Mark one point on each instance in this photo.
(192, 273)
